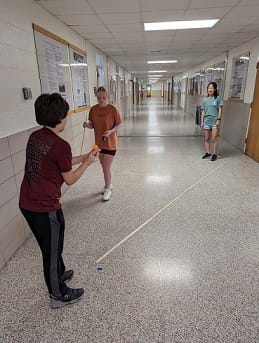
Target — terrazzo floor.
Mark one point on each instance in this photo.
(189, 273)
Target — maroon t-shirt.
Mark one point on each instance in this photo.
(47, 156)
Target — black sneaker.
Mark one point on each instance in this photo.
(71, 297)
(214, 157)
(68, 275)
(206, 156)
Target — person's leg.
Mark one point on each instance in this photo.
(61, 220)
(106, 162)
(46, 229)
(207, 140)
(215, 134)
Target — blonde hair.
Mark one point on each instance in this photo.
(101, 89)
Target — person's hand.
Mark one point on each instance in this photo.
(218, 123)
(91, 157)
(202, 125)
(88, 124)
(107, 134)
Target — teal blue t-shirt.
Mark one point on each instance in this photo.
(211, 106)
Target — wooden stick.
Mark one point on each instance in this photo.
(82, 142)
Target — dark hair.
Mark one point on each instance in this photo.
(101, 89)
(215, 89)
(50, 109)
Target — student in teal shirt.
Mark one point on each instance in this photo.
(211, 118)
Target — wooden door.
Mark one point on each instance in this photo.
(252, 145)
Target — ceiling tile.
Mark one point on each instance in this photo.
(158, 36)
(250, 28)
(67, 7)
(244, 11)
(219, 29)
(127, 34)
(104, 41)
(206, 13)
(157, 16)
(153, 5)
(80, 19)
(120, 18)
(212, 3)
(116, 28)
(126, 27)
(97, 35)
(84, 29)
(126, 40)
(190, 34)
(115, 6)
(248, 2)
(232, 21)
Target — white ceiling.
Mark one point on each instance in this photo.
(117, 28)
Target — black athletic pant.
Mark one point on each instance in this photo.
(48, 229)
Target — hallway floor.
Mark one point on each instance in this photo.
(172, 258)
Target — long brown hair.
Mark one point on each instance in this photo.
(215, 86)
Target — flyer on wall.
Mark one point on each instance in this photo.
(79, 73)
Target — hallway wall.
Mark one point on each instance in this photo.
(18, 69)
(236, 113)
(234, 121)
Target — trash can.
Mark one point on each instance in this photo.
(198, 116)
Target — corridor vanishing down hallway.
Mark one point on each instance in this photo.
(172, 258)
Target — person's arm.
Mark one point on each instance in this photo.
(88, 124)
(202, 113)
(221, 104)
(79, 159)
(219, 115)
(117, 119)
(110, 132)
(202, 118)
(73, 176)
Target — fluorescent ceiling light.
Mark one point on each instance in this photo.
(160, 62)
(157, 71)
(73, 65)
(180, 25)
(156, 75)
(244, 58)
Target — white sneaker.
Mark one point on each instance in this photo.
(107, 194)
(104, 189)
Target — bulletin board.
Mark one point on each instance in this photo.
(79, 75)
(239, 75)
(62, 69)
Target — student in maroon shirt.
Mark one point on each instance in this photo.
(48, 165)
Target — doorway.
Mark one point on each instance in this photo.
(252, 145)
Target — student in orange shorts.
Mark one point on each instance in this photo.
(105, 119)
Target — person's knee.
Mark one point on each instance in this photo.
(207, 139)
(214, 139)
(106, 169)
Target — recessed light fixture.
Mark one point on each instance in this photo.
(180, 25)
(157, 71)
(161, 62)
(73, 65)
